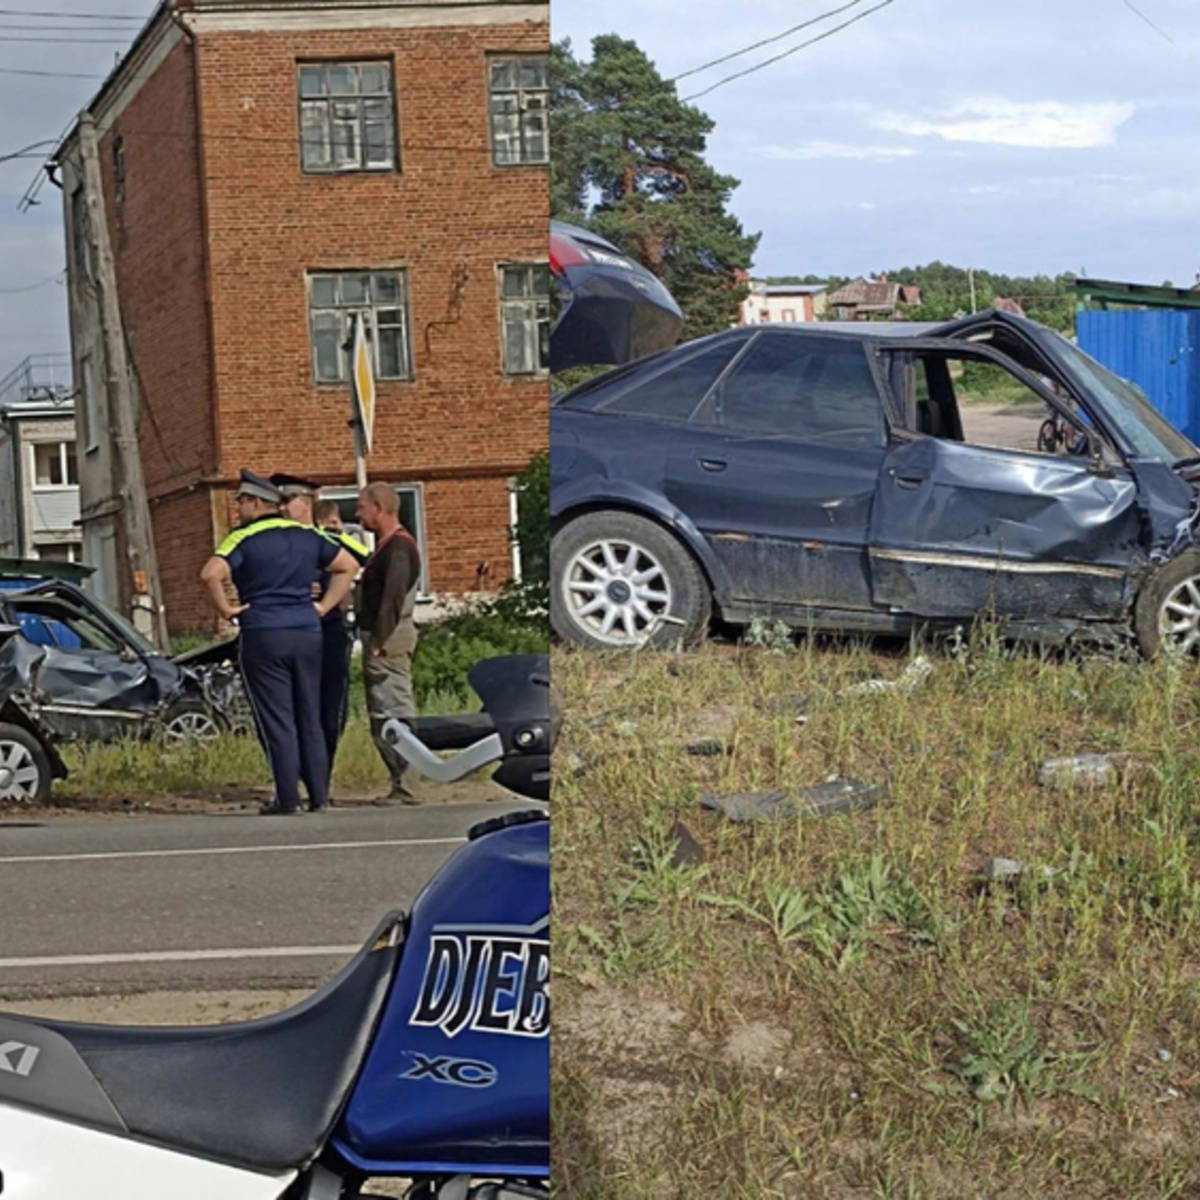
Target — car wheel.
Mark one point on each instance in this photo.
(25, 774)
(191, 720)
(620, 580)
(1167, 613)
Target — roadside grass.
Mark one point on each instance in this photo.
(227, 767)
(844, 1006)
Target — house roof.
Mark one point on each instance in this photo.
(867, 293)
(795, 289)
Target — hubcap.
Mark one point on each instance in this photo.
(19, 775)
(192, 727)
(617, 591)
(1179, 618)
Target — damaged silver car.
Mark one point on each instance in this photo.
(840, 478)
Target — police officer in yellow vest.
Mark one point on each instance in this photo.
(299, 504)
(272, 562)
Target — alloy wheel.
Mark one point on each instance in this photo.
(617, 591)
(1179, 618)
(192, 727)
(19, 773)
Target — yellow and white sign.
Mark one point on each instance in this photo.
(362, 382)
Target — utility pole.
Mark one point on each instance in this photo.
(135, 506)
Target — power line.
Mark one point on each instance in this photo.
(1162, 33)
(48, 74)
(69, 41)
(26, 151)
(787, 53)
(70, 16)
(33, 287)
(716, 62)
(5, 28)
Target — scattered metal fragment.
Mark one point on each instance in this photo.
(688, 852)
(915, 674)
(1163, 1054)
(1081, 771)
(707, 748)
(1006, 870)
(834, 797)
(575, 765)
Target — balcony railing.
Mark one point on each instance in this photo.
(39, 379)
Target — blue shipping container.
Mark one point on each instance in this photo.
(1156, 348)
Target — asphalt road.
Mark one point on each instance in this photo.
(102, 906)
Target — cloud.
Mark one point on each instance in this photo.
(995, 121)
(815, 150)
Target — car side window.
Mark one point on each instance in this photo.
(61, 626)
(802, 387)
(675, 393)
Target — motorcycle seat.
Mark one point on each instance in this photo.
(263, 1094)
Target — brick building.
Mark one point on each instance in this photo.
(272, 167)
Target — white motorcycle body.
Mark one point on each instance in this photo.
(45, 1159)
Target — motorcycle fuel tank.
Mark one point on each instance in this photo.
(458, 1078)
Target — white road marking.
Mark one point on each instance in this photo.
(178, 956)
(217, 850)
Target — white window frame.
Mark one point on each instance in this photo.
(418, 492)
(529, 100)
(369, 312)
(536, 313)
(358, 123)
(62, 444)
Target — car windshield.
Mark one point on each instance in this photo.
(1126, 405)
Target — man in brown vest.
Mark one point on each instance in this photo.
(387, 594)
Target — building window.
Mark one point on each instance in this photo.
(412, 517)
(54, 465)
(68, 552)
(347, 117)
(382, 299)
(520, 95)
(525, 318)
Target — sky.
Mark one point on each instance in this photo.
(1023, 136)
(33, 108)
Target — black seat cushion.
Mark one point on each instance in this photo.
(264, 1094)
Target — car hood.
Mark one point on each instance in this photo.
(614, 310)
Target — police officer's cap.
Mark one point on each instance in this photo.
(293, 485)
(255, 485)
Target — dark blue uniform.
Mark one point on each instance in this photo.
(274, 562)
(337, 644)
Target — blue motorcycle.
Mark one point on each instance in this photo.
(426, 1059)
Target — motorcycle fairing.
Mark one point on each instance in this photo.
(42, 1158)
(458, 1078)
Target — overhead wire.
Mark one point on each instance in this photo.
(71, 16)
(1162, 33)
(716, 62)
(58, 277)
(788, 53)
(48, 74)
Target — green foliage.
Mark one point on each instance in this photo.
(629, 162)
(447, 651)
(529, 598)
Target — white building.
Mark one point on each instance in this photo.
(783, 303)
(39, 480)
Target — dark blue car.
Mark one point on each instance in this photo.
(830, 476)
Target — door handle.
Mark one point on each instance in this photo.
(910, 480)
(715, 465)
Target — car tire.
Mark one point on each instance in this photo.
(1168, 607)
(192, 720)
(25, 772)
(619, 580)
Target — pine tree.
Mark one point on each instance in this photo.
(629, 161)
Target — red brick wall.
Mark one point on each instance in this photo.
(271, 224)
(234, 388)
(158, 243)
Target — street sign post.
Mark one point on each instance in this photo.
(362, 396)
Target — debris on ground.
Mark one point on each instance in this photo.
(1007, 870)
(707, 748)
(915, 674)
(688, 852)
(576, 765)
(1081, 771)
(794, 706)
(1163, 1054)
(831, 798)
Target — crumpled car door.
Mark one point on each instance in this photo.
(959, 530)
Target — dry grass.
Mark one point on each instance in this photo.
(840, 1007)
